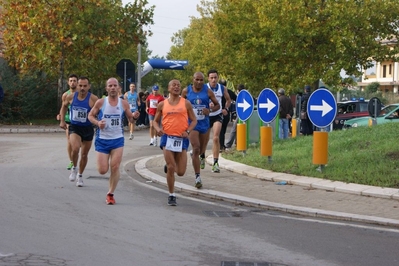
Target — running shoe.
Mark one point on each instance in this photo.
(131, 136)
(110, 199)
(152, 142)
(202, 163)
(215, 168)
(80, 182)
(155, 142)
(198, 183)
(70, 165)
(74, 173)
(172, 201)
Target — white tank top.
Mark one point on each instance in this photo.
(219, 94)
(113, 116)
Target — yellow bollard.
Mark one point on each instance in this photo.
(320, 147)
(266, 141)
(294, 124)
(370, 122)
(241, 137)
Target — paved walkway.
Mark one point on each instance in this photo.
(245, 185)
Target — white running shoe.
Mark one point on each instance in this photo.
(80, 182)
(74, 173)
(155, 142)
(131, 136)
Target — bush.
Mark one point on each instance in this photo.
(25, 98)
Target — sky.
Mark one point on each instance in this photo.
(170, 16)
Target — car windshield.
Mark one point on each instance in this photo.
(386, 110)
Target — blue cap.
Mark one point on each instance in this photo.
(155, 87)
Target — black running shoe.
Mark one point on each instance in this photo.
(172, 201)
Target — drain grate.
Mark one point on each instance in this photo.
(21, 259)
(238, 263)
(224, 214)
(100, 177)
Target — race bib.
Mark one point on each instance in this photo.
(174, 144)
(133, 106)
(79, 114)
(112, 121)
(198, 112)
(153, 103)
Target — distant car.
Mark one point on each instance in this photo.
(349, 110)
(387, 114)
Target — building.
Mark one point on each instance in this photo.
(386, 74)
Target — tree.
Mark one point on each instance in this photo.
(372, 87)
(72, 36)
(289, 43)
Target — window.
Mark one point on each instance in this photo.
(384, 71)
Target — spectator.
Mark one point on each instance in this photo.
(306, 124)
(285, 113)
(233, 131)
(226, 118)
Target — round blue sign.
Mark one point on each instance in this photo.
(244, 105)
(268, 105)
(321, 108)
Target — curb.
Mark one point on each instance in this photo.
(30, 130)
(141, 169)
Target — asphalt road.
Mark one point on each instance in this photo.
(47, 220)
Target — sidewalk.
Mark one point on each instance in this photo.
(245, 185)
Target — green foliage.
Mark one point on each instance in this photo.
(373, 87)
(85, 37)
(287, 43)
(29, 97)
(363, 155)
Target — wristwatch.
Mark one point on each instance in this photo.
(188, 132)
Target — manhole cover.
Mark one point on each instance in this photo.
(224, 213)
(100, 177)
(238, 263)
(26, 259)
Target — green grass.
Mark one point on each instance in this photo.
(364, 155)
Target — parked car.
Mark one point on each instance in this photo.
(389, 113)
(349, 110)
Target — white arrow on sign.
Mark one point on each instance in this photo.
(324, 107)
(174, 66)
(244, 105)
(269, 105)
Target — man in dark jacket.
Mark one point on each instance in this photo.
(285, 113)
(306, 124)
(226, 118)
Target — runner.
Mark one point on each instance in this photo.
(72, 83)
(107, 114)
(81, 130)
(200, 96)
(175, 112)
(134, 103)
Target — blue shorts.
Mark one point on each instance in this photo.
(107, 145)
(151, 117)
(162, 143)
(202, 125)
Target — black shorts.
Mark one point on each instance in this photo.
(86, 133)
(216, 118)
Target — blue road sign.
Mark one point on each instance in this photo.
(244, 105)
(268, 105)
(321, 108)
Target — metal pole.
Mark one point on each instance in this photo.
(124, 77)
(138, 85)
